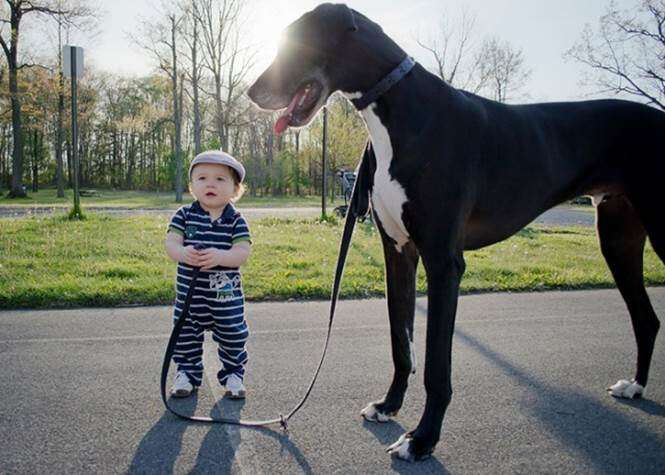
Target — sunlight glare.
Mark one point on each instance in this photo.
(271, 18)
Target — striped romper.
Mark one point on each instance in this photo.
(218, 301)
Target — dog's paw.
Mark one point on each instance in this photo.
(402, 449)
(373, 414)
(405, 448)
(626, 389)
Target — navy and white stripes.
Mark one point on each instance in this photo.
(218, 301)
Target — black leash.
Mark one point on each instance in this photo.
(358, 207)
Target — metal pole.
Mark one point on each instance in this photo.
(323, 163)
(77, 204)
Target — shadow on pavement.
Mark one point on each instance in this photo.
(645, 405)
(162, 444)
(159, 449)
(606, 438)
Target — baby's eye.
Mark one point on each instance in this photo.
(221, 178)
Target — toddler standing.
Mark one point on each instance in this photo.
(215, 180)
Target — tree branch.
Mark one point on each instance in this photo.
(4, 47)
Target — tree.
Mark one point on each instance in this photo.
(493, 67)
(161, 40)
(218, 19)
(626, 55)
(11, 15)
(502, 68)
(192, 38)
(452, 49)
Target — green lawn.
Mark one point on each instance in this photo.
(142, 199)
(106, 260)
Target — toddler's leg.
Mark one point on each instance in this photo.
(188, 352)
(231, 333)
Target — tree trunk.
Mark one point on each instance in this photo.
(35, 159)
(177, 116)
(59, 178)
(195, 89)
(17, 154)
(219, 112)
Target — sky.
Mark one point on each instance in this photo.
(542, 29)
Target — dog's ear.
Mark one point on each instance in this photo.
(339, 17)
(349, 19)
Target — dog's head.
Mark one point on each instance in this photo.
(328, 49)
(302, 76)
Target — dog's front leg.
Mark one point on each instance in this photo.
(444, 273)
(401, 293)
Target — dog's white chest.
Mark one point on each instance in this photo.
(388, 196)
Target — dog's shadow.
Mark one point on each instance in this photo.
(582, 423)
(645, 405)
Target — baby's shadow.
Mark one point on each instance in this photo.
(161, 445)
(218, 451)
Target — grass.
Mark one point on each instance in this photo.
(141, 199)
(48, 262)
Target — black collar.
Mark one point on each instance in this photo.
(386, 83)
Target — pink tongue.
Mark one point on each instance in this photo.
(283, 121)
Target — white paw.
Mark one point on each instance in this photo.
(626, 389)
(402, 449)
(372, 414)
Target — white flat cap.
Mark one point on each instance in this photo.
(220, 158)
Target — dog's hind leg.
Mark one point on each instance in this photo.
(622, 237)
(401, 294)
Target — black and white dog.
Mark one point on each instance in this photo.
(452, 171)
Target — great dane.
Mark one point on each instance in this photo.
(453, 171)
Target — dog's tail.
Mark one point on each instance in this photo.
(363, 186)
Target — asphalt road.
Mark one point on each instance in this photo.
(79, 392)
(563, 215)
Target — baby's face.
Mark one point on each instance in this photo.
(213, 185)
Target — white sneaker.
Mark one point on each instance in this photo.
(234, 387)
(181, 386)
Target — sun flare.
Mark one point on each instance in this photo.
(270, 19)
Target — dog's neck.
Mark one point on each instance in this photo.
(404, 99)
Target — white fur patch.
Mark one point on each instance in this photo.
(626, 389)
(388, 195)
(370, 413)
(401, 449)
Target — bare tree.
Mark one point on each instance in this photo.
(502, 68)
(452, 51)
(191, 29)
(492, 67)
(626, 55)
(217, 19)
(161, 40)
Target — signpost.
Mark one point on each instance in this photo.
(73, 67)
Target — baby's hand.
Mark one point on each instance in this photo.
(209, 258)
(190, 256)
